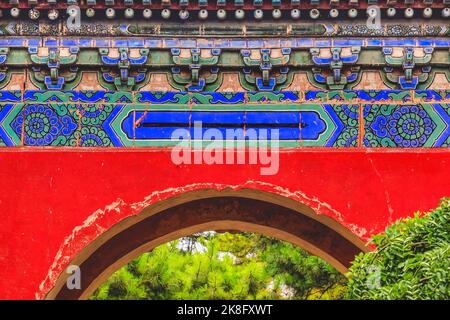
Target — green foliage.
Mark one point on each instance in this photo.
(309, 276)
(224, 266)
(411, 260)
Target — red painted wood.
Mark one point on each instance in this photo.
(48, 194)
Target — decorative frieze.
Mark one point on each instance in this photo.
(353, 118)
(408, 70)
(121, 69)
(335, 69)
(264, 69)
(53, 67)
(196, 69)
(128, 65)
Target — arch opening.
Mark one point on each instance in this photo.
(244, 211)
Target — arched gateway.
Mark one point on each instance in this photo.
(103, 206)
(124, 128)
(244, 210)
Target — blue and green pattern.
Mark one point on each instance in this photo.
(407, 126)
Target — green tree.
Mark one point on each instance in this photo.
(411, 260)
(308, 276)
(224, 266)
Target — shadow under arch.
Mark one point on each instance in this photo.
(202, 210)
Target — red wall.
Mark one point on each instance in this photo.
(54, 202)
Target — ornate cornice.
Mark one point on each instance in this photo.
(200, 64)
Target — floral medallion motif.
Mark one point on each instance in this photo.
(43, 125)
(406, 126)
